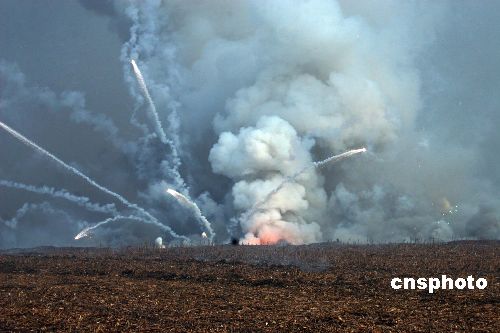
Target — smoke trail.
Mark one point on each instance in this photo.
(88, 231)
(73, 170)
(183, 200)
(152, 106)
(335, 158)
(26, 208)
(159, 129)
(62, 194)
(99, 122)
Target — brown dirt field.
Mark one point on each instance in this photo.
(317, 288)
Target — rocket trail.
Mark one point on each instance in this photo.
(293, 178)
(62, 194)
(88, 231)
(339, 157)
(75, 171)
(70, 168)
(152, 107)
(153, 114)
(183, 200)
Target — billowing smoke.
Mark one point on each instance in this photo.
(263, 205)
(242, 98)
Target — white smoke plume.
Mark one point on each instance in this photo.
(159, 243)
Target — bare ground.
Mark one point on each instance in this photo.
(317, 288)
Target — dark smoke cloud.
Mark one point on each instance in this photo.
(250, 94)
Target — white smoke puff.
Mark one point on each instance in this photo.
(272, 145)
(159, 243)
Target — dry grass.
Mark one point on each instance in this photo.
(326, 287)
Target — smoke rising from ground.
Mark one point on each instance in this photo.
(260, 205)
(249, 95)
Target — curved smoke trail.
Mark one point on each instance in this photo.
(25, 209)
(149, 218)
(88, 231)
(183, 200)
(62, 194)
